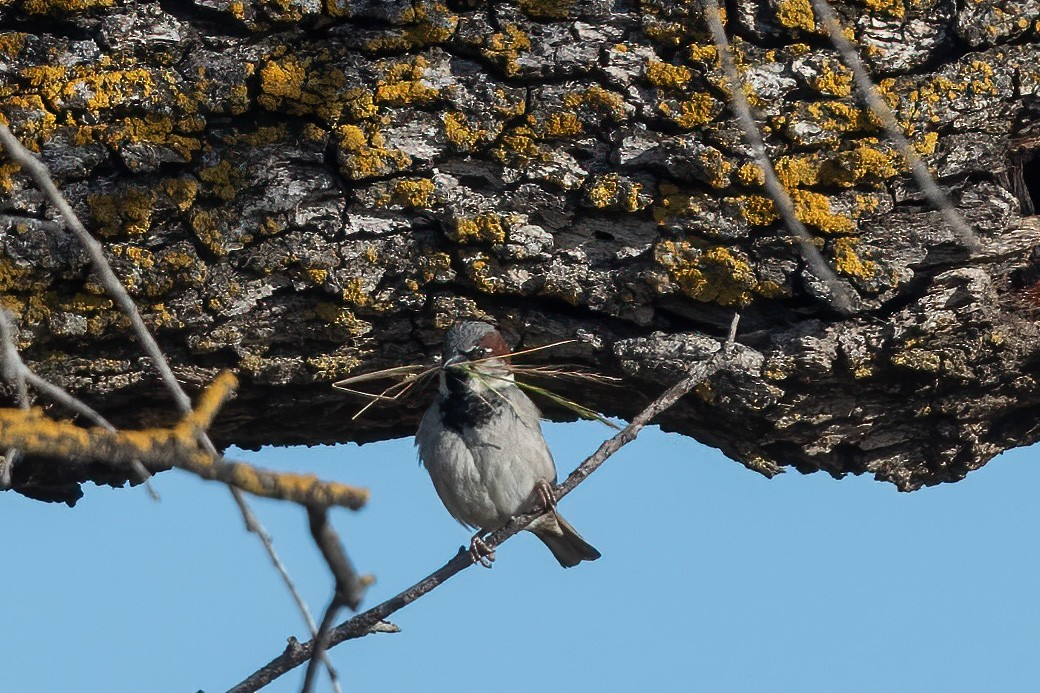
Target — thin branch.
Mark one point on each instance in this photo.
(829, 20)
(42, 177)
(321, 641)
(38, 171)
(841, 298)
(350, 587)
(368, 621)
(253, 525)
(16, 376)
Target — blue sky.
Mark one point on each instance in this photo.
(712, 578)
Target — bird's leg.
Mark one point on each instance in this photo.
(546, 494)
(480, 552)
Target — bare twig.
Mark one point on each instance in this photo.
(16, 376)
(368, 621)
(829, 20)
(253, 525)
(42, 177)
(350, 587)
(321, 643)
(841, 298)
(38, 171)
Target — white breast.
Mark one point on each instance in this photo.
(486, 474)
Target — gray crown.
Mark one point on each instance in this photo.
(464, 336)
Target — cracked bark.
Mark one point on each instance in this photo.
(300, 191)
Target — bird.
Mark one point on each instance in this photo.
(481, 441)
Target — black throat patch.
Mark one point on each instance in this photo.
(463, 408)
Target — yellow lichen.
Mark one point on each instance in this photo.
(63, 7)
(415, 193)
(887, 8)
(332, 366)
(341, 316)
(365, 155)
(425, 24)
(703, 53)
(666, 75)
(597, 100)
(223, 180)
(128, 211)
(698, 110)
(811, 208)
(305, 86)
(833, 79)
(403, 84)
(848, 262)
(796, 14)
(208, 232)
(13, 276)
(182, 191)
(560, 124)
(716, 274)
(458, 131)
(482, 228)
(284, 78)
(354, 292)
(611, 191)
(506, 46)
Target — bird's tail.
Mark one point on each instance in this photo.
(563, 540)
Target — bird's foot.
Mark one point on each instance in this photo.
(546, 494)
(480, 552)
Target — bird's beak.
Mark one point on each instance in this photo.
(458, 358)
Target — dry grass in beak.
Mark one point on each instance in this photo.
(408, 377)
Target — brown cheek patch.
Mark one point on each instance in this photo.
(496, 344)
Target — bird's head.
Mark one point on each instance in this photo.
(475, 348)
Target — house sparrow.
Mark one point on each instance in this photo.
(481, 441)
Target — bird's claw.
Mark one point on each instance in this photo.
(546, 494)
(480, 552)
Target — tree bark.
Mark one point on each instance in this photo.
(301, 191)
